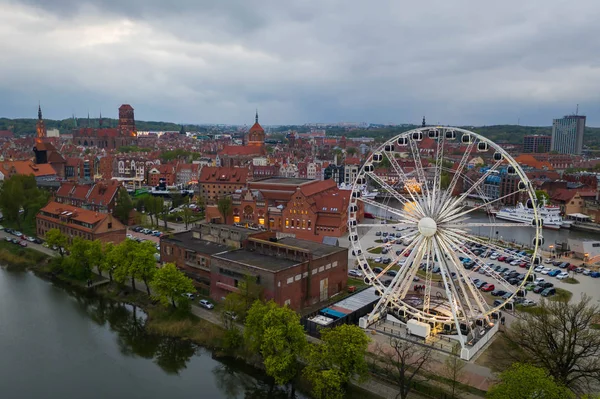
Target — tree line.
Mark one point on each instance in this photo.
(128, 261)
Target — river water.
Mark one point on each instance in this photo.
(519, 235)
(60, 344)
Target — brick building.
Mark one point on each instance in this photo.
(292, 272)
(125, 134)
(217, 182)
(308, 209)
(78, 222)
(98, 197)
(191, 251)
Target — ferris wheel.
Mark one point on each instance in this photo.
(434, 229)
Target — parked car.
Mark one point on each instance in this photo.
(391, 273)
(377, 270)
(18, 234)
(378, 259)
(23, 243)
(189, 295)
(547, 261)
(572, 267)
(206, 304)
(562, 276)
(355, 273)
(586, 272)
(554, 273)
(549, 292)
(498, 293)
(539, 280)
(230, 315)
(595, 274)
(579, 270)
(530, 287)
(498, 302)
(507, 295)
(480, 284)
(528, 302)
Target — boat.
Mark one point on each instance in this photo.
(364, 192)
(550, 215)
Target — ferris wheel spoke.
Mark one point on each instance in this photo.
(449, 207)
(428, 278)
(481, 263)
(484, 224)
(404, 217)
(404, 180)
(411, 268)
(372, 225)
(460, 237)
(439, 166)
(457, 174)
(414, 149)
(392, 191)
(452, 302)
(464, 281)
(458, 213)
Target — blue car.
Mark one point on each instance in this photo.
(595, 274)
(554, 273)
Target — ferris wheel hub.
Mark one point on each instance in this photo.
(427, 227)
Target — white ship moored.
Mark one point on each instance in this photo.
(364, 193)
(549, 214)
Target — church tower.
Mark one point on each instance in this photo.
(126, 121)
(256, 134)
(40, 126)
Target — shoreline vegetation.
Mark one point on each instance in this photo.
(179, 322)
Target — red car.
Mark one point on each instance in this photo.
(502, 258)
(488, 288)
(406, 253)
(572, 267)
(523, 264)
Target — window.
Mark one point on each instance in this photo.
(287, 223)
(290, 280)
(334, 264)
(328, 266)
(298, 277)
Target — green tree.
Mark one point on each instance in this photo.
(144, 262)
(124, 206)
(559, 338)
(352, 151)
(240, 302)
(21, 199)
(524, 381)
(280, 340)
(339, 358)
(170, 285)
(541, 195)
(225, 206)
(124, 256)
(109, 261)
(78, 264)
(54, 238)
(96, 254)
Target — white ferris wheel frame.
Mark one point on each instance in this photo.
(437, 225)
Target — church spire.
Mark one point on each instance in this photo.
(100, 119)
(256, 117)
(39, 111)
(423, 124)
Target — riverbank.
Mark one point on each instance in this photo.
(200, 326)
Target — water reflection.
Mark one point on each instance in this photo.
(235, 382)
(127, 322)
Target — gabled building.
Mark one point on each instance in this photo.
(99, 197)
(78, 222)
(218, 182)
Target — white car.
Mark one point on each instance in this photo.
(546, 270)
(539, 281)
(494, 256)
(378, 259)
(539, 269)
(562, 276)
(514, 262)
(206, 304)
(547, 261)
(528, 302)
(355, 273)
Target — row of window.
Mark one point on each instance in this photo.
(290, 223)
(321, 269)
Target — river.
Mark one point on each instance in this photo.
(59, 344)
(522, 235)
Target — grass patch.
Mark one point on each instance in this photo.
(496, 357)
(375, 250)
(571, 280)
(182, 324)
(357, 282)
(379, 241)
(562, 295)
(529, 309)
(595, 326)
(14, 255)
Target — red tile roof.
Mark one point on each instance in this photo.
(256, 128)
(318, 186)
(78, 214)
(211, 174)
(26, 168)
(232, 150)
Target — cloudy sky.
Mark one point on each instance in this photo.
(196, 61)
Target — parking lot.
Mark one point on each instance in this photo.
(587, 284)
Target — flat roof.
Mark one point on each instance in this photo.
(224, 227)
(316, 248)
(186, 240)
(358, 300)
(255, 259)
(284, 180)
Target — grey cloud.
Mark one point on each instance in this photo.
(458, 62)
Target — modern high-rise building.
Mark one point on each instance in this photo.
(537, 143)
(567, 134)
